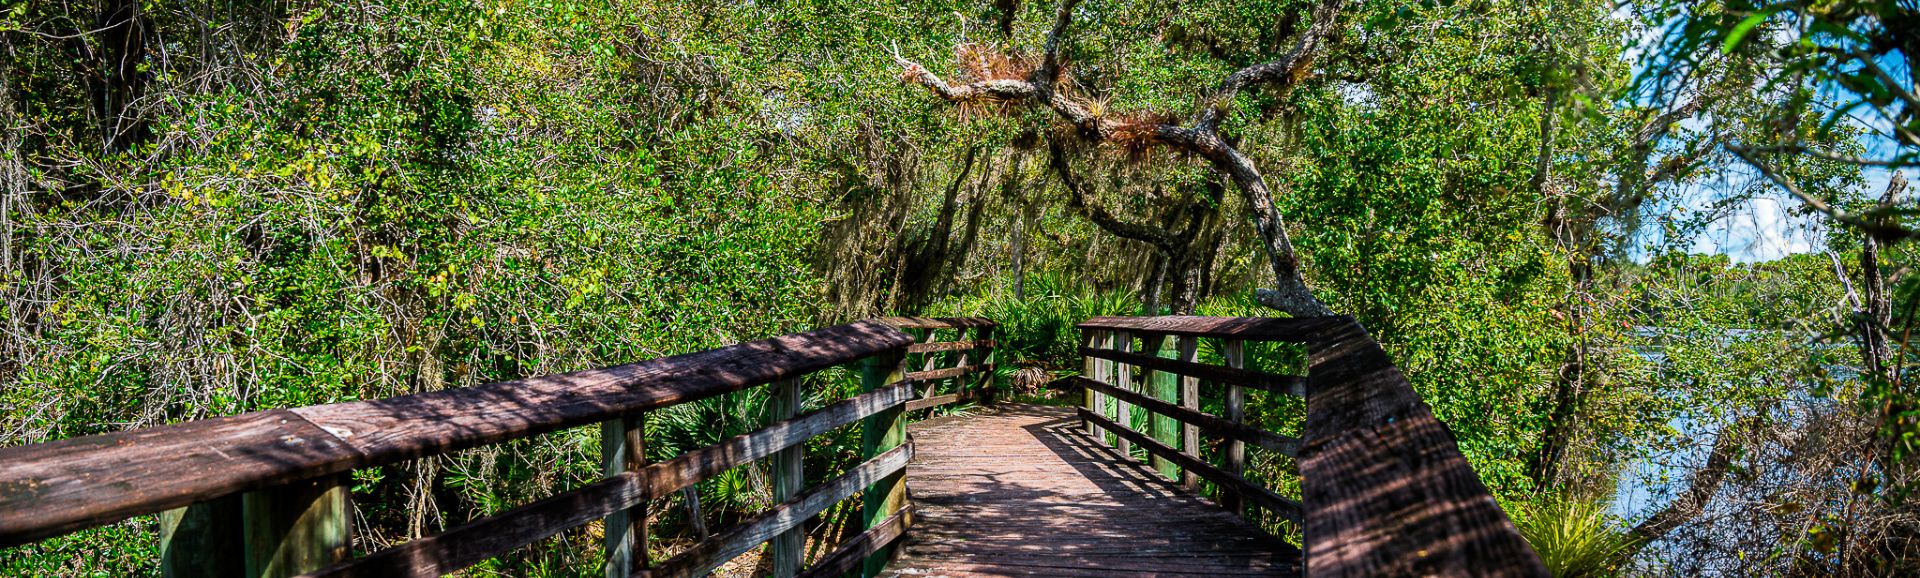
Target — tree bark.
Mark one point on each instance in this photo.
(1201, 138)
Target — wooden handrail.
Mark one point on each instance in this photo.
(1245, 328)
(957, 358)
(277, 456)
(1385, 491)
(937, 322)
(1287, 384)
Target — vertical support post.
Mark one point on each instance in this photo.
(622, 449)
(197, 541)
(1189, 347)
(1163, 387)
(1090, 369)
(879, 433)
(984, 345)
(1121, 375)
(789, 476)
(960, 358)
(927, 359)
(1236, 459)
(296, 528)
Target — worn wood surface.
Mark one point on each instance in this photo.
(624, 536)
(1022, 490)
(936, 401)
(1287, 384)
(848, 556)
(948, 373)
(198, 541)
(1260, 496)
(788, 467)
(980, 343)
(54, 488)
(702, 558)
(1249, 328)
(1386, 490)
(1234, 456)
(58, 487)
(400, 428)
(297, 527)
(465, 545)
(1212, 425)
(881, 432)
(936, 322)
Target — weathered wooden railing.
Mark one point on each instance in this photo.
(266, 494)
(1385, 491)
(963, 362)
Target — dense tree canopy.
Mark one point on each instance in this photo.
(209, 208)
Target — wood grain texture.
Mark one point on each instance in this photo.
(1386, 490)
(1212, 425)
(1248, 328)
(703, 557)
(58, 487)
(950, 345)
(847, 557)
(468, 544)
(1234, 456)
(624, 533)
(936, 401)
(937, 322)
(1022, 490)
(1287, 384)
(788, 467)
(297, 527)
(1259, 496)
(880, 433)
(485, 538)
(947, 373)
(413, 426)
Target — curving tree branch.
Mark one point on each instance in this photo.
(1201, 138)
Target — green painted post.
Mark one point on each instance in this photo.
(623, 449)
(1236, 459)
(296, 528)
(1090, 369)
(1164, 386)
(1189, 349)
(198, 541)
(789, 476)
(1120, 375)
(879, 433)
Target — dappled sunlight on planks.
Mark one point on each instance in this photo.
(1022, 491)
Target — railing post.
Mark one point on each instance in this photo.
(1090, 367)
(987, 357)
(960, 358)
(623, 449)
(880, 433)
(1234, 351)
(198, 541)
(1121, 375)
(789, 476)
(296, 528)
(1162, 386)
(1189, 399)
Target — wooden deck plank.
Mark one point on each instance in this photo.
(1019, 491)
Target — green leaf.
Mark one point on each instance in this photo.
(1740, 30)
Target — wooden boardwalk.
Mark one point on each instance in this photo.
(1021, 490)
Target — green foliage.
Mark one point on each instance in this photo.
(1575, 538)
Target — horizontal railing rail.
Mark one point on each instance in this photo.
(264, 494)
(1385, 491)
(965, 362)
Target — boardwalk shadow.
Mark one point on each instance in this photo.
(1020, 492)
